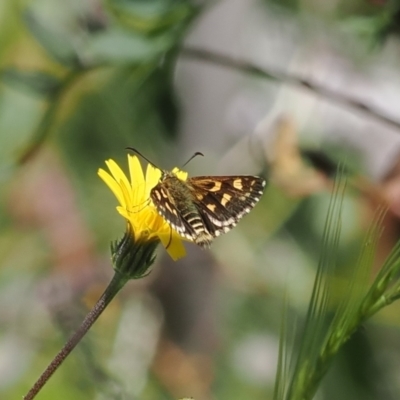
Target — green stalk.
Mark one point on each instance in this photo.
(117, 283)
(131, 260)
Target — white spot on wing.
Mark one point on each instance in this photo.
(215, 221)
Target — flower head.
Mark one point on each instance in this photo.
(136, 206)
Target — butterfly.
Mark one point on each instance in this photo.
(203, 207)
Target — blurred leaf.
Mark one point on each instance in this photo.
(57, 45)
(389, 23)
(365, 27)
(145, 8)
(166, 101)
(35, 82)
(121, 113)
(150, 16)
(168, 110)
(119, 46)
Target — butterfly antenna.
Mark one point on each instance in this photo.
(141, 155)
(193, 156)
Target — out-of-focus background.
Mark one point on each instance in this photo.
(285, 89)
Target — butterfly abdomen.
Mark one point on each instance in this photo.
(196, 228)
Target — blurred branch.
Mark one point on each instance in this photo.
(289, 78)
(47, 120)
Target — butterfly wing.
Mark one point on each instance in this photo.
(169, 205)
(223, 200)
(204, 207)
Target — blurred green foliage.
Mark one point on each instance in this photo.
(82, 80)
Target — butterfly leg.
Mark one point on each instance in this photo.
(170, 238)
(146, 203)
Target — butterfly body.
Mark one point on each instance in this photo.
(203, 207)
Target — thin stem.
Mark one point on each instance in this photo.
(289, 78)
(116, 284)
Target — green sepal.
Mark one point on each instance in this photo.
(131, 258)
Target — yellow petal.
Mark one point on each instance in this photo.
(137, 179)
(175, 248)
(136, 206)
(117, 173)
(113, 185)
(153, 176)
(127, 193)
(123, 212)
(182, 175)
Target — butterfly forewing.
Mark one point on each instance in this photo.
(204, 207)
(224, 200)
(168, 208)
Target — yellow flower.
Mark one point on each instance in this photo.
(136, 206)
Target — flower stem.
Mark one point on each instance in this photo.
(116, 284)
